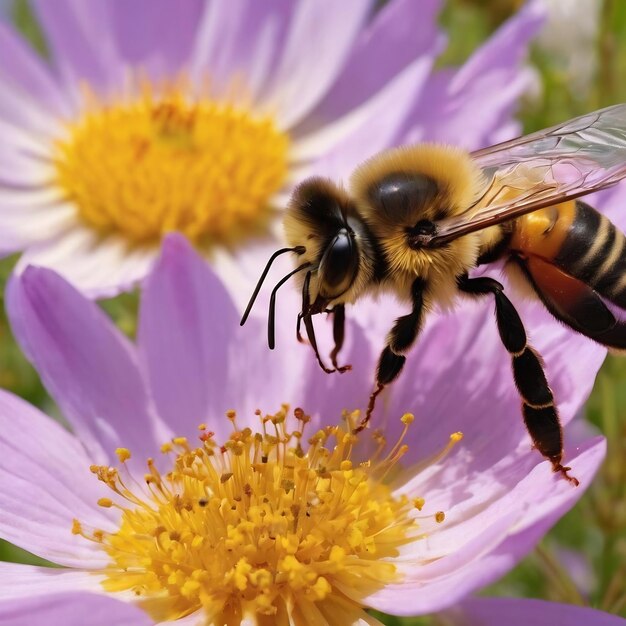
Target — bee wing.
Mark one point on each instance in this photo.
(577, 157)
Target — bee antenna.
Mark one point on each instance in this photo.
(272, 313)
(255, 293)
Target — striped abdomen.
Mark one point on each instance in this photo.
(574, 258)
(579, 241)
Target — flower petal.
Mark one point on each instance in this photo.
(528, 510)
(240, 39)
(315, 50)
(492, 80)
(45, 484)
(79, 34)
(18, 581)
(155, 34)
(26, 590)
(100, 266)
(70, 609)
(199, 361)
(458, 377)
(520, 612)
(87, 365)
(401, 32)
(19, 108)
(327, 396)
(29, 216)
(187, 322)
(24, 141)
(368, 125)
(21, 69)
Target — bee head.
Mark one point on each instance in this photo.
(333, 247)
(322, 219)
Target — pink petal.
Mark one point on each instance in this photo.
(72, 609)
(156, 35)
(186, 331)
(22, 69)
(513, 520)
(29, 216)
(79, 34)
(457, 359)
(240, 38)
(45, 484)
(370, 124)
(24, 582)
(523, 611)
(491, 83)
(315, 50)
(326, 396)
(401, 32)
(98, 266)
(87, 365)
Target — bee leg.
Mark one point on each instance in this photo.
(401, 337)
(306, 306)
(299, 336)
(538, 408)
(310, 333)
(339, 329)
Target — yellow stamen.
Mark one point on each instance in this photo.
(156, 163)
(123, 454)
(257, 525)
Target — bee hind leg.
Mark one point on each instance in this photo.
(538, 407)
(401, 337)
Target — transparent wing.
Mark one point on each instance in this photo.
(553, 165)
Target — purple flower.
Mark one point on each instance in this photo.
(224, 524)
(496, 611)
(199, 117)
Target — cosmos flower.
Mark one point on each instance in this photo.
(199, 117)
(162, 503)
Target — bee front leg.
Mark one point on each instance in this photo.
(401, 337)
(339, 330)
(538, 408)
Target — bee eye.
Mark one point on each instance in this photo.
(339, 265)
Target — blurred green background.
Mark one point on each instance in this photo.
(580, 63)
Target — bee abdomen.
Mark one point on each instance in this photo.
(594, 252)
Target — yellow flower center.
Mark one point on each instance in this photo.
(259, 526)
(156, 164)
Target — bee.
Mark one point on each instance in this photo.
(416, 220)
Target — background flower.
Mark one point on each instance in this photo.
(569, 37)
(191, 364)
(490, 612)
(199, 117)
